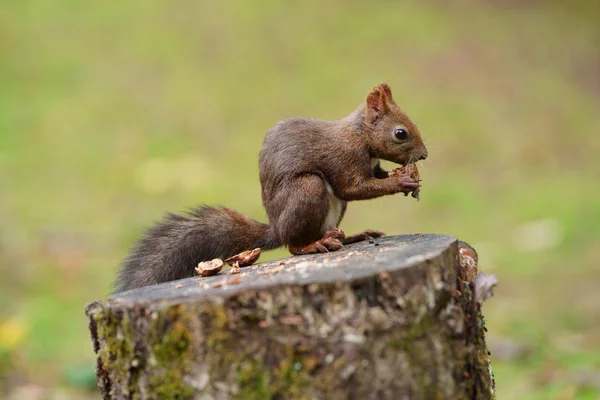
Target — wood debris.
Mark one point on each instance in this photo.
(235, 269)
(218, 283)
(271, 271)
(227, 281)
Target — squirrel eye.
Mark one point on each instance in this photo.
(400, 134)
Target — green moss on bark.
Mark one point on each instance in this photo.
(253, 381)
(170, 339)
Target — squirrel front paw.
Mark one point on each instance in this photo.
(404, 184)
(407, 175)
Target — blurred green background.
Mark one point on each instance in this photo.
(112, 113)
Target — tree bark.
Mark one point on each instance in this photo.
(390, 318)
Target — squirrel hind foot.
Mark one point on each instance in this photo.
(324, 245)
(365, 235)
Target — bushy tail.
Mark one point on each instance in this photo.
(173, 248)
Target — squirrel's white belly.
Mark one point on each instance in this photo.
(334, 213)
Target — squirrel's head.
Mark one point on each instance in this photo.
(392, 135)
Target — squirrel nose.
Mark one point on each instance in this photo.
(423, 155)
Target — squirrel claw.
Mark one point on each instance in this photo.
(320, 248)
(331, 244)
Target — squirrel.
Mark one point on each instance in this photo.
(309, 170)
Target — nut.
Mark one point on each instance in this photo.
(409, 171)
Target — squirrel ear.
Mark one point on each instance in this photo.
(387, 90)
(376, 105)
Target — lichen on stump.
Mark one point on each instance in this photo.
(389, 318)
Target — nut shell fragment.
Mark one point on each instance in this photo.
(209, 268)
(244, 258)
(410, 170)
(235, 269)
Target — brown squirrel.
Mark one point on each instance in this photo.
(309, 170)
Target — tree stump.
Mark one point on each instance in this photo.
(389, 318)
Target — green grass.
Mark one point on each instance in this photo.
(111, 114)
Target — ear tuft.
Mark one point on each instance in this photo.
(387, 90)
(374, 97)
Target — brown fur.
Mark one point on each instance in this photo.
(303, 163)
